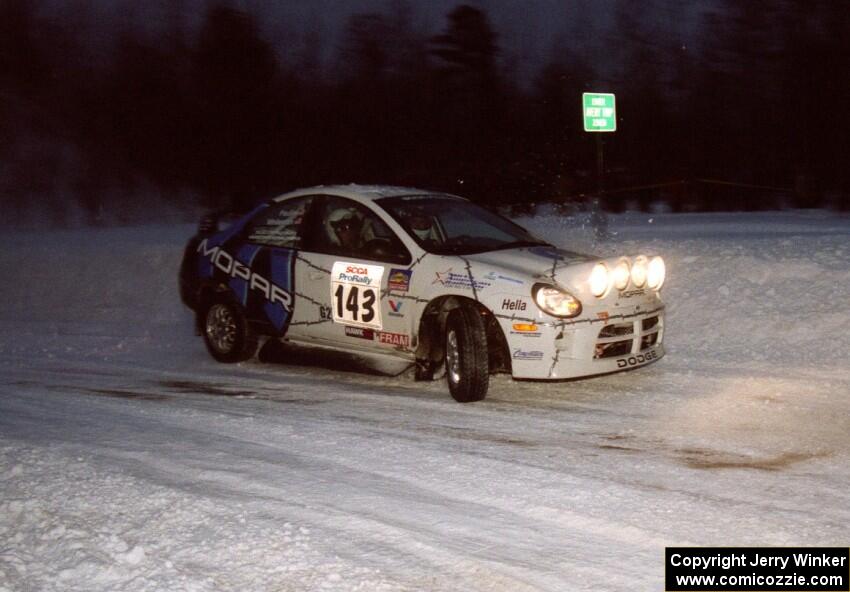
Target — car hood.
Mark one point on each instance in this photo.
(568, 269)
(530, 261)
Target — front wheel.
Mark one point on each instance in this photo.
(467, 363)
(227, 335)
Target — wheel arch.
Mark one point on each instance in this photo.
(432, 329)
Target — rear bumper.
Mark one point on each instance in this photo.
(591, 347)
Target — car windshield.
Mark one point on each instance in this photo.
(447, 225)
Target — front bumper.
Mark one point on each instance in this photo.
(588, 347)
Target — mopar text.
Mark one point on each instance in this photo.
(225, 262)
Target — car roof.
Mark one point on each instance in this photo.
(363, 193)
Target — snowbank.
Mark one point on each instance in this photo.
(130, 461)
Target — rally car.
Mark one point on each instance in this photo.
(427, 277)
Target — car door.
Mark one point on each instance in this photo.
(345, 272)
(270, 242)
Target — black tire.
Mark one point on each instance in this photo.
(467, 365)
(227, 334)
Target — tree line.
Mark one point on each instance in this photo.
(755, 116)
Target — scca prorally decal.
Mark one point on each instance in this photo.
(355, 294)
(353, 274)
(227, 263)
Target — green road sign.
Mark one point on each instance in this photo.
(600, 112)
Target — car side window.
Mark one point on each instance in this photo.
(279, 225)
(346, 228)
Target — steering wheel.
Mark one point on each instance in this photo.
(378, 248)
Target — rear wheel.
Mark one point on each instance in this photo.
(227, 335)
(467, 364)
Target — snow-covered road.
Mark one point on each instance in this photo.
(129, 460)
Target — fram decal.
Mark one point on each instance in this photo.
(450, 279)
(325, 313)
(520, 354)
(399, 280)
(637, 360)
(396, 339)
(360, 332)
(227, 263)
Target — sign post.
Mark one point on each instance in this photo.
(599, 111)
(600, 115)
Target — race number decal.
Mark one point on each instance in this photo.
(356, 294)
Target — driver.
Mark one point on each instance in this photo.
(343, 227)
(421, 225)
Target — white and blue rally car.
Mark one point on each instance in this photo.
(427, 277)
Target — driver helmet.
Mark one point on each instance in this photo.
(340, 220)
(420, 224)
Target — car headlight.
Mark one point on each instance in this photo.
(600, 280)
(555, 301)
(656, 272)
(639, 271)
(622, 273)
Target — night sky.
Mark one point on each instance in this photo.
(225, 102)
(530, 32)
